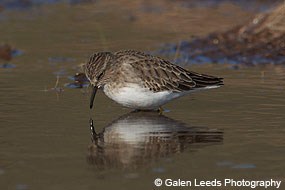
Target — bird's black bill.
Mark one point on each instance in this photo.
(93, 96)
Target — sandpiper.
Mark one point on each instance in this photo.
(141, 81)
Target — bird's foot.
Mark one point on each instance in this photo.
(160, 110)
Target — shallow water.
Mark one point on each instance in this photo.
(236, 131)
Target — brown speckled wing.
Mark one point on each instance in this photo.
(158, 74)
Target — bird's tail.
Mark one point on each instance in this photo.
(206, 81)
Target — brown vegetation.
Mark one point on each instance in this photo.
(5, 52)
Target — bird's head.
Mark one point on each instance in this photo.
(95, 69)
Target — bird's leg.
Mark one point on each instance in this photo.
(160, 110)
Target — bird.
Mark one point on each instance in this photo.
(142, 81)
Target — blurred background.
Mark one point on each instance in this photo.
(236, 131)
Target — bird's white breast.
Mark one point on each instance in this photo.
(134, 96)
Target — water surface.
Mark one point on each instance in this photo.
(236, 131)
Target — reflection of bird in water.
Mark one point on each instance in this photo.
(138, 138)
